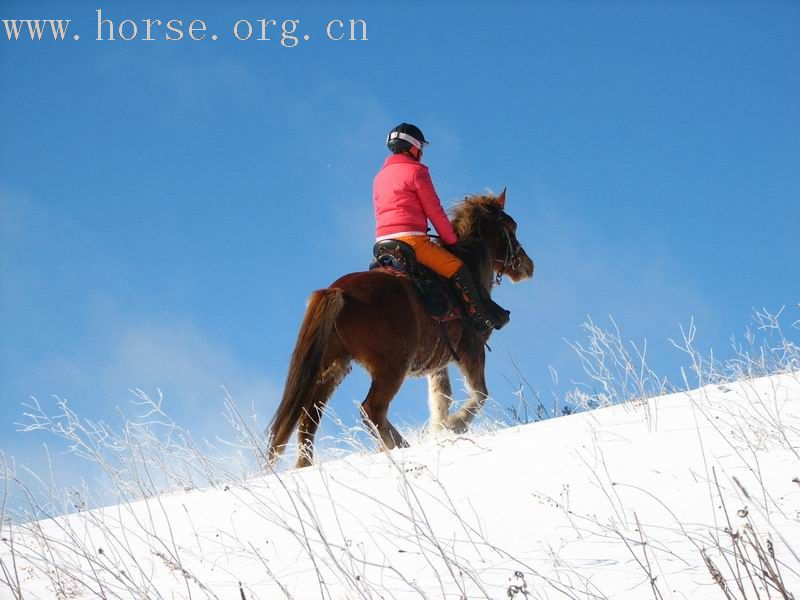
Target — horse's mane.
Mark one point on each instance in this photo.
(469, 218)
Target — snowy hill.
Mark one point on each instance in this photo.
(630, 501)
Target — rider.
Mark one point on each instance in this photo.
(405, 200)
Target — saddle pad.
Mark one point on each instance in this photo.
(434, 292)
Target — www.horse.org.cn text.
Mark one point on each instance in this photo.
(287, 33)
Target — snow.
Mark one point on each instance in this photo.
(592, 505)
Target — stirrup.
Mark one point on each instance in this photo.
(484, 324)
(501, 318)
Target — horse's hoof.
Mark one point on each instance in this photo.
(456, 425)
(437, 427)
(303, 462)
(394, 435)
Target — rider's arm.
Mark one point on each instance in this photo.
(433, 206)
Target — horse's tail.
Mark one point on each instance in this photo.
(304, 370)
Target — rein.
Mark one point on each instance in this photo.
(511, 259)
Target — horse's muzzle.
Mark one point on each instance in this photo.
(521, 268)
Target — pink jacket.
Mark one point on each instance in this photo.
(405, 200)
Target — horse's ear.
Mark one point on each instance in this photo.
(501, 199)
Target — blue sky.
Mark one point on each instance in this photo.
(168, 207)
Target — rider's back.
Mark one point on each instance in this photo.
(405, 199)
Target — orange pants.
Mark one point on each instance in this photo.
(433, 255)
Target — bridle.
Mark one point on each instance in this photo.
(511, 258)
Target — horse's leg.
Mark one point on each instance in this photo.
(376, 407)
(306, 430)
(309, 421)
(473, 369)
(440, 395)
(308, 425)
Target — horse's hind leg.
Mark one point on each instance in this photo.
(376, 408)
(440, 395)
(473, 369)
(329, 380)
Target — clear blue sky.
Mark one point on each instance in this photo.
(168, 207)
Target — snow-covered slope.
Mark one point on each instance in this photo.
(620, 502)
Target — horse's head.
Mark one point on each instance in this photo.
(484, 219)
(509, 256)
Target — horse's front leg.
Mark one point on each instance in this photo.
(473, 369)
(440, 396)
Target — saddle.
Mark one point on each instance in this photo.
(435, 292)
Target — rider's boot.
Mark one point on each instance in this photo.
(500, 314)
(482, 316)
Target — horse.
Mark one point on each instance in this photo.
(377, 319)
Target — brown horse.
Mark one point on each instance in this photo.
(377, 319)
